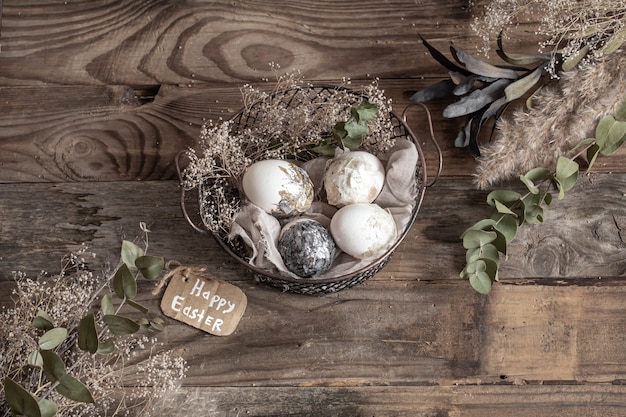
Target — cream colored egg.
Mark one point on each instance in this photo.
(353, 177)
(279, 187)
(363, 230)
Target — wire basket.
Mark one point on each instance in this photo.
(246, 118)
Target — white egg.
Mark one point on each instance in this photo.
(353, 177)
(363, 230)
(279, 187)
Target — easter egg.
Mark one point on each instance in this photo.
(306, 247)
(363, 230)
(279, 187)
(353, 177)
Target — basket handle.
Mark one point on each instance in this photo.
(432, 138)
(183, 207)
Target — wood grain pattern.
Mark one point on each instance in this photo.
(466, 401)
(109, 133)
(98, 96)
(152, 42)
(582, 236)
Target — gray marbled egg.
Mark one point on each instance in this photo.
(307, 247)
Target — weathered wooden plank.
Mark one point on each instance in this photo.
(582, 236)
(466, 401)
(152, 42)
(394, 333)
(105, 133)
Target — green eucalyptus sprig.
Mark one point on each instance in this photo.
(487, 240)
(94, 334)
(349, 134)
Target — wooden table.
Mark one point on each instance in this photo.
(96, 99)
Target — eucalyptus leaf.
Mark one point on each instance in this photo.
(130, 252)
(535, 174)
(326, 149)
(124, 283)
(43, 321)
(566, 168)
(119, 325)
(506, 197)
(52, 338)
(365, 111)
(592, 154)
(490, 252)
(502, 208)
(35, 359)
(87, 334)
(149, 266)
(106, 305)
(538, 174)
(53, 365)
(157, 324)
(478, 238)
(500, 242)
(138, 306)
(565, 184)
(610, 134)
(19, 400)
(48, 408)
(620, 112)
(105, 347)
(507, 226)
(72, 388)
(481, 282)
(42, 324)
(484, 224)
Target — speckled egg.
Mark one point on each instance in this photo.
(279, 187)
(353, 177)
(307, 247)
(363, 230)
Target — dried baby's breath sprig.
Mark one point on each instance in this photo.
(64, 345)
(290, 120)
(566, 27)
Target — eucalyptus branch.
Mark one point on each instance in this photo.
(486, 242)
(88, 334)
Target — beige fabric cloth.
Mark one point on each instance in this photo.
(260, 230)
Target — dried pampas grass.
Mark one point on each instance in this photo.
(562, 115)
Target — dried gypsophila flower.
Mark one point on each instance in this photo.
(564, 25)
(286, 123)
(66, 297)
(562, 115)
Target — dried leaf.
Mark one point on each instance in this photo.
(52, 338)
(520, 87)
(72, 388)
(441, 89)
(439, 57)
(87, 334)
(477, 100)
(478, 67)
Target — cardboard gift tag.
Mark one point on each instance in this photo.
(204, 302)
